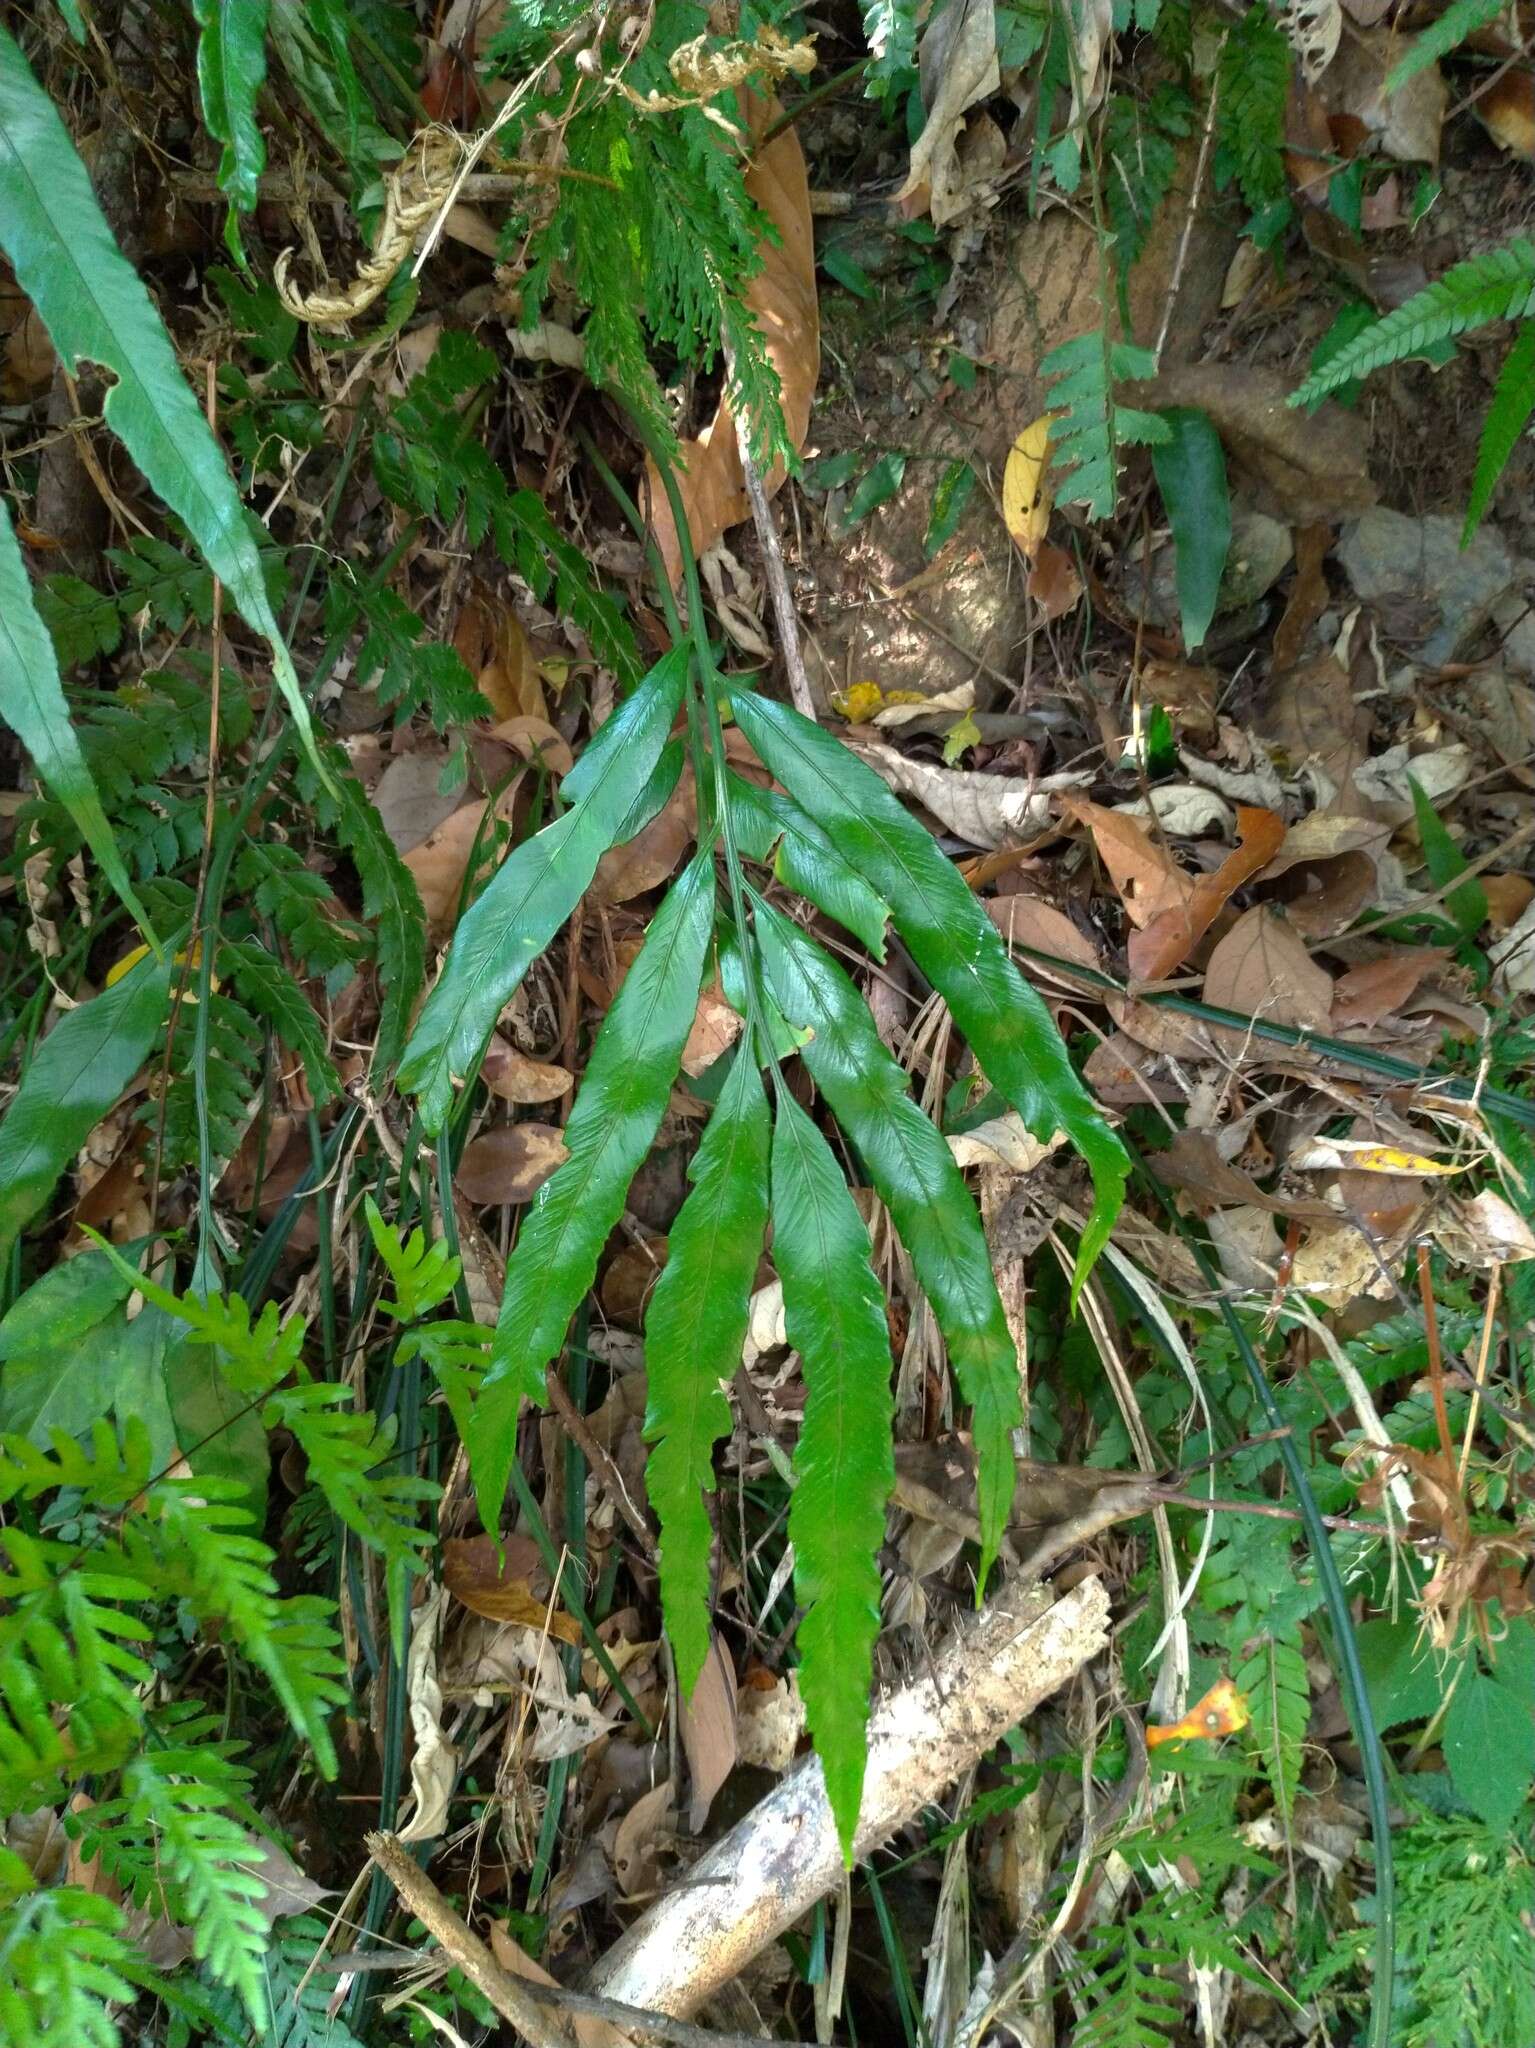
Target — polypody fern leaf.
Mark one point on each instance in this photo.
(611, 1127)
(1089, 428)
(694, 1329)
(1513, 400)
(834, 1311)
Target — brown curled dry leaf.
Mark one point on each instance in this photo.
(782, 299)
(1174, 932)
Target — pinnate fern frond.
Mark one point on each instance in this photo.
(423, 1273)
(65, 1962)
(1274, 1683)
(1090, 427)
(1459, 21)
(1499, 285)
(1513, 400)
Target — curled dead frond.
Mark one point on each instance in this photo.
(413, 193)
(701, 74)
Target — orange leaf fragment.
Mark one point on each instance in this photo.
(1222, 1711)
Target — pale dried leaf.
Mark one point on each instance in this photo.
(958, 66)
(1148, 880)
(510, 1163)
(1002, 1141)
(986, 810)
(1261, 969)
(709, 1732)
(646, 1831)
(434, 1762)
(770, 1722)
(715, 1028)
(516, 1078)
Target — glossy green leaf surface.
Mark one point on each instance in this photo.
(33, 705)
(695, 1327)
(612, 1126)
(1191, 475)
(72, 1079)
(806, 861)
(532, 893)
(231, 65)
(96, 309)
(951, 938)
(834, 1310)
(914, 1173)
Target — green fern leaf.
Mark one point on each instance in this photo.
(1499, 285)
(612, 1126)
(806, 862)
(953, 941)
(270, 990)
(66, 1963)
(205, 1557)
(534, 891)
(393, 906)
(694, 1329)
(834, 1312)
(913, 1172)
(1090, 428)
(231, 65)
(177, 1116)
(1252, 94)
(411, 674)
(95, 307)
(71, 1081)
(1274, 1683)
(1459, 21)
(423, 1272)
(1513, 400)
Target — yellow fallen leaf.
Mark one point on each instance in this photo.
(1358, 1155)
(1222, 1711)
(865, 700)
(1025, 500)
(131, 959)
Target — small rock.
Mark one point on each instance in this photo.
(1419, 563)
(1259, 554)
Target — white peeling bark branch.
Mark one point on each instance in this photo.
(773, 1866)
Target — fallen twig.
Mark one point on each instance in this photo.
(776, 1863)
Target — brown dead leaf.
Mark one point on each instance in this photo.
(1028, 921)
(1193, 1161)
(715, 1029)
(1322, 898)
(441, 861)
(782, 300)
(1185, 691)
(409, 796)
(1302, 469)
(1375, 988)
(29, 360)
(1261, 969)
(1174, 933)
(1407, 121)
(1053, 582)
(511, 1163)
(516, 1078)
(588, 2032)
(1148, 880)
(1311, 716)
(494, 1577)
(1486, 1231)
(645, 861)
(644, 1834)
(1508, 898)
(986, 810)
(1308, 594)
(493, 645)
(957, 63)
(709, 1732)
(536, 740)
(1506, 109)
(627, 1283)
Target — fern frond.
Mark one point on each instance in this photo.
(294, 2002)
(175, 1115)
(265, 986)
(65, 1963)
(173, 1843)
(1513, 400)
(202, 1554)
(408, 672)
(254, 1356)
(423, 1273)
(1274, 1683)
(1253, 91)
(300, 903)
(1499, 285)
(1089, 427)
(1459, 21)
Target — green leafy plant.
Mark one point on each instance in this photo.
(1091, 426)
(1499, 285)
